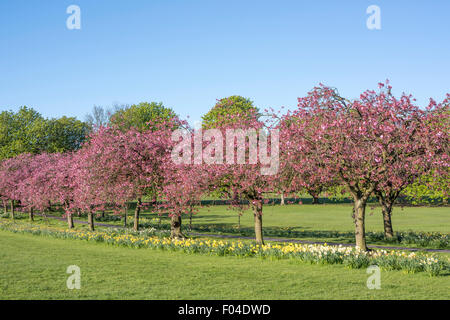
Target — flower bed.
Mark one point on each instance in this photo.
(420, 239)
(317, 254)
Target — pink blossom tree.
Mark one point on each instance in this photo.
(13, 172)
(296, 174)
(115, 167)
(181, 193)
(237, 161)
(65, 184)
(357, 143)
(38, 189)
(415, 145)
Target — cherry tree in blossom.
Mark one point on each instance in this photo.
(359, 144)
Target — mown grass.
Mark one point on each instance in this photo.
(332, 217)
(34, 267)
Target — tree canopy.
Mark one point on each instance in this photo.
(27, 131)
(143, 116)
(226, 108)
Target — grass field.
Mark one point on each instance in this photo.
(34, 267)
(334, 217)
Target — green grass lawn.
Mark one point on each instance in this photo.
(34, 267)
(334, 217)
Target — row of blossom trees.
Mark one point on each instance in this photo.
(112, 168)
(376, 145)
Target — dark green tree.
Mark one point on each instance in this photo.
(63, 134)
(18, 132)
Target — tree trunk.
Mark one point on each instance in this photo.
(190, 220)
(91, 221)
(239, 220)
(359, 218)
(31, 214)
(70, 220)
(136, 215)
(12, 210)
(387, 222)
(257, 207)
(386, 210)
(125, 214)
(315, 199)
(103, 214)
(315, 193)
(387, 202)
(5, 207)
(282, 199)
(175, 228)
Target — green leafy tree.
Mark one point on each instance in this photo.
(233, 105)
(428, 189)
(63, 134)
(27, 131)
(142, 116)
(17, 132)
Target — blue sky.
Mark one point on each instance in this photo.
(188, 53)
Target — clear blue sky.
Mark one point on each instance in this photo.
(188, 53)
